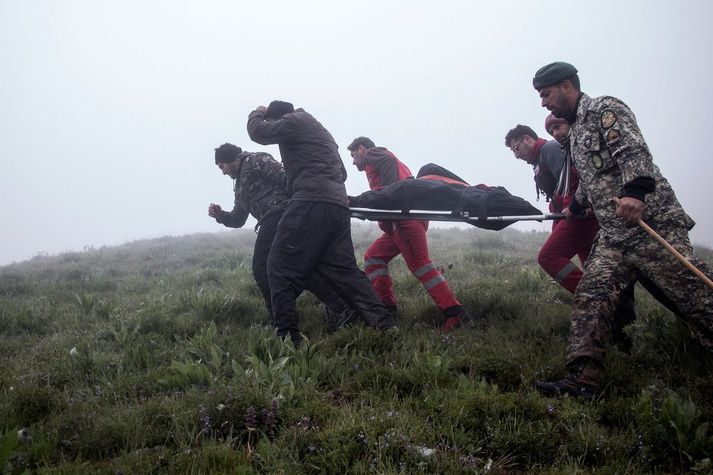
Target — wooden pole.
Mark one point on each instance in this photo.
(678, 255)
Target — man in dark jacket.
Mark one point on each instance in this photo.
(314, 234)
(259, 186)
(407, 238)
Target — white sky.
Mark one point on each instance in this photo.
(110, 110)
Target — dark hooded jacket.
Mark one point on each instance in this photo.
(314, 169)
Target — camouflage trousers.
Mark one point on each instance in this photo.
(613, 266)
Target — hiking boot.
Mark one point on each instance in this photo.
(568, 385)
(582, 381)
(455, 317)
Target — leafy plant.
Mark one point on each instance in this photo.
(267, 364)
(671, 421)
(8, 442)
(204, 360)
(85, 302)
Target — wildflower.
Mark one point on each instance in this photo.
(205, 417)
(362, 438)
(250, 418)
(73, 352)
(270, 420)
(468, 460)
(424, 451)
(600, 443)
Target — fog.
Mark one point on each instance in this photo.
(110, 111)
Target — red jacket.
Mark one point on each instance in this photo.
(383, 168)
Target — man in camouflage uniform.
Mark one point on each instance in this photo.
(620, 182)
(259, 185)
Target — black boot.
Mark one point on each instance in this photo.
(454, 317)
(582, 381)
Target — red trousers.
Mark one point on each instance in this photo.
(408, 238)
(568, 239)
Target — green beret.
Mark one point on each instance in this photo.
(553, 73)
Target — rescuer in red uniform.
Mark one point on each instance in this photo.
(407, 238)
(556, 178)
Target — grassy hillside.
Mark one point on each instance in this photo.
(154, 357)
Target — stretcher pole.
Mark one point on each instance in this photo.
(430, 215)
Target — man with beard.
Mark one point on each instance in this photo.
(557, 180)
(620, 182)
(259, 186)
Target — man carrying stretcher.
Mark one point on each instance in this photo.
(407, 238)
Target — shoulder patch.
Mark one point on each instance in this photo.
(613, 135)
(608, 118)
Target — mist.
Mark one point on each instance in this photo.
(110, 111)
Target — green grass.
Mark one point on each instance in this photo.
(154, 357)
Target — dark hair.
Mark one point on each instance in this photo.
(519, 131)
(227, 153)
(365, 141)
(277, 109)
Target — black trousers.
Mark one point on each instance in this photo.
(315, 284)
(315, 238)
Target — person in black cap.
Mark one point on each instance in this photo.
(259, 186)
(314, 234)
(621, 184)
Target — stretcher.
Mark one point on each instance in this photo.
(430, 215)
(487, 207)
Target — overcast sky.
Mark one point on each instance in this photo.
(110, 110)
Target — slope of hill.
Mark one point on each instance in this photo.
(155, 357)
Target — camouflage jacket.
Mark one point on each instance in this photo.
(608, 152)
(259, 189)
